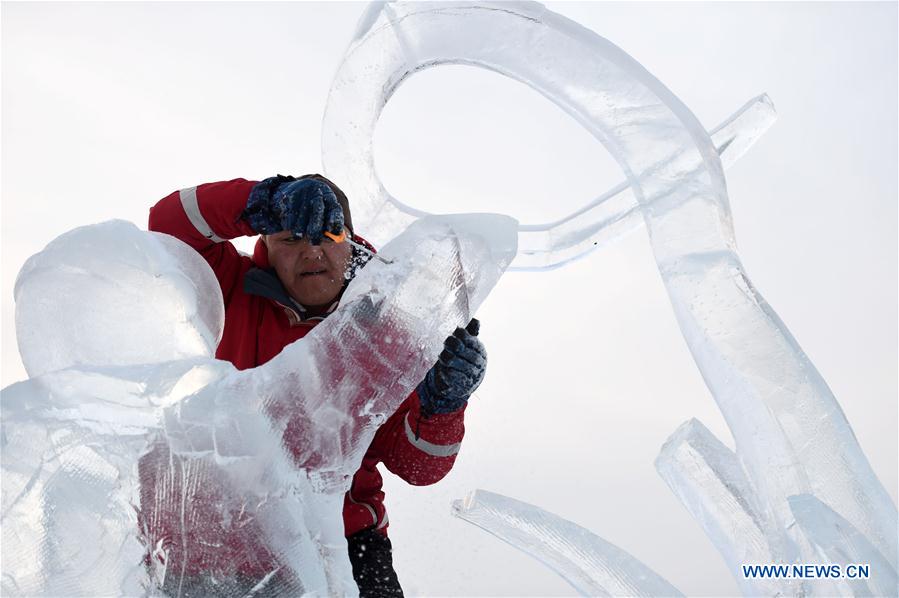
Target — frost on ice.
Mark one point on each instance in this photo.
(792, 439)
(134, 462)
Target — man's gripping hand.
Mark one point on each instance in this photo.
(456, 375)
(306, 207)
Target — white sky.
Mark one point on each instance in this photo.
(107, 107)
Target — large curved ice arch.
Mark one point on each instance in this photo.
(791, 436)
(382, 56)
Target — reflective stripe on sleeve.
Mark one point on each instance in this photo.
(384, 523)
(192, 209)
(435, 450)
(371, 509)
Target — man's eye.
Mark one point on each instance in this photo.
(289, 240)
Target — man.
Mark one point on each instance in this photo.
(295, 278)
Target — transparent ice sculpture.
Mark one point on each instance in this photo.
(593, 566)
(395, 40)
(164, 470)
(834, 540)
(791, 436)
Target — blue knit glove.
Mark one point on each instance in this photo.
(307, 207)
(457, 373)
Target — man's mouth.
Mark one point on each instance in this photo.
(312, 273)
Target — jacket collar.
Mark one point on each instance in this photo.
(264, 282)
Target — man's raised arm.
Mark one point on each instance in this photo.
(206, 217)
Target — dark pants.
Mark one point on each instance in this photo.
(372, 558)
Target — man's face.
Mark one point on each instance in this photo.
(312, 274)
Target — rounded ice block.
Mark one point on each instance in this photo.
(110, 294)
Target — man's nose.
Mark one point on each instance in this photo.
(310, 252)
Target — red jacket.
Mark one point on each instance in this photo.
(260, 321)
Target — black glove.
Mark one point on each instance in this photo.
(456, 375)
(307, 207)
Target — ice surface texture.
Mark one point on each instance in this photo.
(591, 565)
(523, 41)
(790, 434)
(174, 454)
(835, 540)
(61, 321)
(709, 480)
